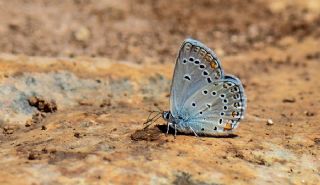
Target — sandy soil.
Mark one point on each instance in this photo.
(79, 77)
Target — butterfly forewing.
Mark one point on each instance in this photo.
(196, 66)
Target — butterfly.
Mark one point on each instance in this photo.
(203, 100)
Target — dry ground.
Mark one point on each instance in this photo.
(106, 63)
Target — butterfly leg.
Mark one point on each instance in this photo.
(168, 126)
(175, 130)
(194, 132)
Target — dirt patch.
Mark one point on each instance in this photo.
(57, 156)
(9, 129)
(147, 134)
(183, 178)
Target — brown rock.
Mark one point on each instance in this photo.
(42, 104)
(289, 100)
(8, 129)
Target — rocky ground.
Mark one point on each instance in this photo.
(76, 88)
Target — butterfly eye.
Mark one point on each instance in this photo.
(225, 101)
(191, 59)
(193, 104)
(220, 121)
(209, 80)
(222, 95)
(222, 114)
(197, 62)
(214, 93)
(225, 107)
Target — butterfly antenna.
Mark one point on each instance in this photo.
(150, 119)
(153, 120)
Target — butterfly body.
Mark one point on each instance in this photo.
(203, 99)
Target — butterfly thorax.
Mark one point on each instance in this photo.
(166, 115)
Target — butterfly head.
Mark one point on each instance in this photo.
(166, 115)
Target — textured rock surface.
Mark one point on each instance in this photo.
(95, 134)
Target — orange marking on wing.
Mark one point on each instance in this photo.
(187, 46)
(213, 65)
(202, 53)
(225, 85)
(228, 126)
(208, 58)
(234, 113)
(196, 49)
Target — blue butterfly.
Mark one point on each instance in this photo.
(203, 99)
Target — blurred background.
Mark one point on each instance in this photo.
(150, 30)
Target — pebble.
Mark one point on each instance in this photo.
(309, 114)
(8, 130)
(289, 100)
(269, 122)
(82, 34)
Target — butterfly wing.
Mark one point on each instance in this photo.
(217, 107)
(196, 66)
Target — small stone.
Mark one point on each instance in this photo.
(269, 122)
(8, 130)
(253, 31)
(82, 34)
(220, 52)
(33, 100)
(85, 102)
(105, 103)
(43, 105)
(34, 156)
(77, 135)
(29, 123)
(289, 100)
(309, 114)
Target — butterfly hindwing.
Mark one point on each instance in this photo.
(217, 107)
(196, 66)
